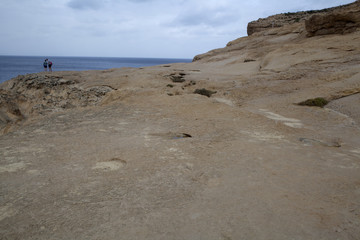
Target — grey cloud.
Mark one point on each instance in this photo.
(86, 4)
(208, 18)
(140, 1)
(98, 4)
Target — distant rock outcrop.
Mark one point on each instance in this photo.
(339, 23)
(318, 20)
(342, 19)
(276, 21)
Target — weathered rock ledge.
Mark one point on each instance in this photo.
(333, 23)
(298, 25)
(38, 94)
(344, 15)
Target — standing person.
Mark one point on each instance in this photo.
(45, 65)
(50, 64)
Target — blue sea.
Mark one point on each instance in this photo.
(12, 66)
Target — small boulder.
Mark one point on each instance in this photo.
(204, 92)
(177, 78)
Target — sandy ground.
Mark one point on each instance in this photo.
(159, 162)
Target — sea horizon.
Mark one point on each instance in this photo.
(7, 55)
(13, 65)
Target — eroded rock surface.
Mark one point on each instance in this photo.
(318, 22)
(132, 154)
(37, 94)
(338, 23)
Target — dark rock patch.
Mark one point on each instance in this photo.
(177, 78)
(312, 142)
(249, 60)
(172, 135)
(204, 92)
(181, 135)
(314, 102)
(191, 83)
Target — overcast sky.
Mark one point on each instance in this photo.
(133, 28)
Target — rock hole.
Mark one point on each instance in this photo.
(182, 135)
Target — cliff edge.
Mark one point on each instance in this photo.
(342, 18)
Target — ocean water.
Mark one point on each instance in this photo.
(12, 66)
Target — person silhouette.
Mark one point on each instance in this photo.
(45, 64)
(50, 65)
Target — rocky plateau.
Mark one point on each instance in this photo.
(256, 140)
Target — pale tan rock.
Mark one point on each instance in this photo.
(136, 158)
(339, 23)
(318, 22)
